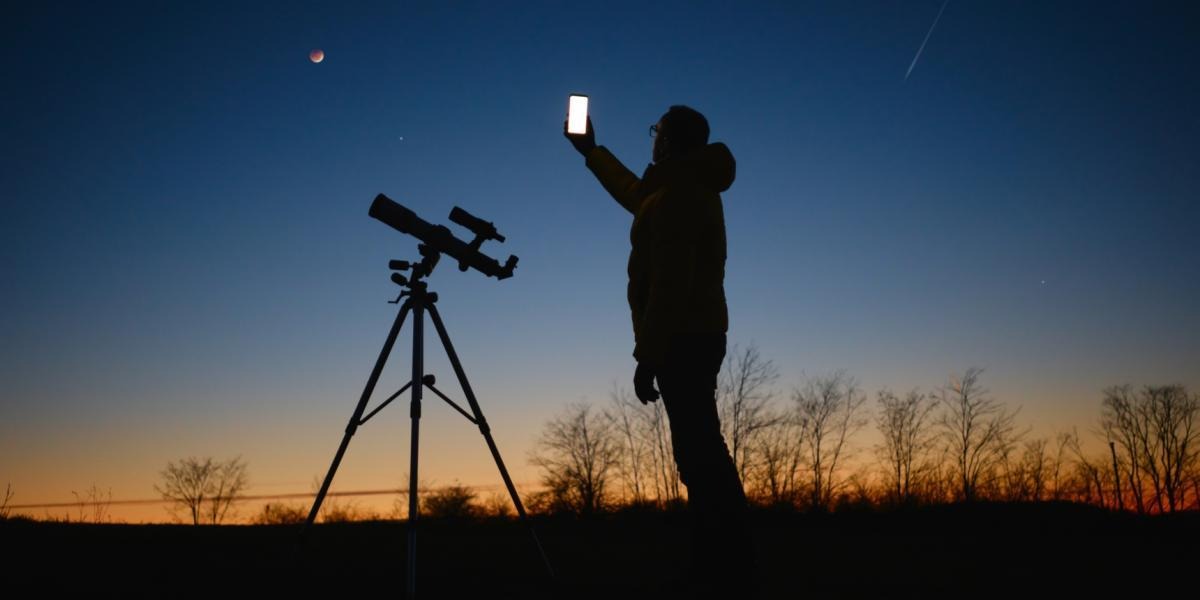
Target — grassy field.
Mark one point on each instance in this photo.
(1033, 550)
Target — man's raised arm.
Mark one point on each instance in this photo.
(620, 182)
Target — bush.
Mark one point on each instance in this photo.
(280, 514)
(451, 502)
(498, 506)
(337, 512)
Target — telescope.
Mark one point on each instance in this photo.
(439, 237)
(418, 301)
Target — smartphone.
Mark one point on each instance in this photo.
(577, 114)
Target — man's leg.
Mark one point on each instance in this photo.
(722, 550)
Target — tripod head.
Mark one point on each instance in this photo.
(417, 270)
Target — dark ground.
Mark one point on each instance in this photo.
(1035, 550)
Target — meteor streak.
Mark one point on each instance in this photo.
(926, 41)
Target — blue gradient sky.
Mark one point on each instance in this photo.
(189, 268)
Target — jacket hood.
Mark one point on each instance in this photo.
(712, 165)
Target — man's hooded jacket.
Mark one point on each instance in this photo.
(677, 263)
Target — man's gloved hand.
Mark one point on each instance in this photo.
(643, 383)
(583, 142)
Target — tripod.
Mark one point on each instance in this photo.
(419, 301)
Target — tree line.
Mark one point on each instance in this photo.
(802, 449)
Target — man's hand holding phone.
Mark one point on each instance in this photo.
(583, 142)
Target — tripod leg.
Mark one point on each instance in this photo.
(358, 411)
(486, 430)
(418, 372)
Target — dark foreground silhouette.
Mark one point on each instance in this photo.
(986, 550)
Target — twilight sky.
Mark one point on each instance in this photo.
(189, 268)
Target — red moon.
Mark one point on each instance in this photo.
(317, 55)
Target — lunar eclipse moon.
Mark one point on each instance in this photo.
(317, 55)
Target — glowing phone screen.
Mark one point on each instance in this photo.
(577, 115)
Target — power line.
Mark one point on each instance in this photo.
(288, 496)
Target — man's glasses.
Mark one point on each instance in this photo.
(654, 130)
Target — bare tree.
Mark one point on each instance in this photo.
(780, 457)
(657, 434)
(905, 424)
(828, 412)
(1123, 429)
(1036, 467)
(1022, 477)
(1175, 422)
(940, 482)
(628, 418)
(204, 488)
(578, 453)
(1195, 489)
(5, 511)
(1088, 477)
(978, 432)
(646, 462)
(93, 504)
(1062, 442)
(1158, 432)
(743, 399)
(228, 482)
(859, 490)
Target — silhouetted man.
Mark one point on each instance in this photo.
(677, 296)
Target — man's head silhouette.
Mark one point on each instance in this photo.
(679, 131)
